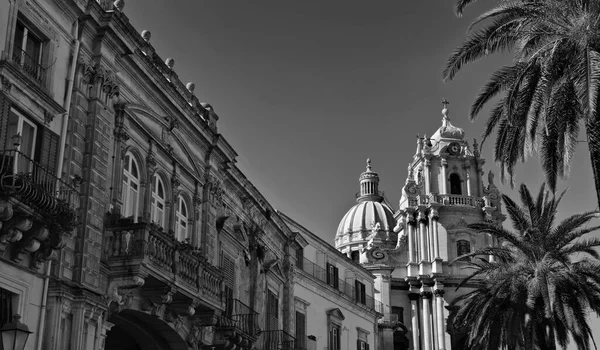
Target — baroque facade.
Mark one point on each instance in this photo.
(125, 222)
(413, 252)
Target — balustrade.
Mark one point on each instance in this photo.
(162, 252)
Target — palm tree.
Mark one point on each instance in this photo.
(535, 289)
(552, 86)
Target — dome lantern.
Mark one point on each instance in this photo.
(369, 185)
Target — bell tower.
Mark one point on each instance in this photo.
(443, 193)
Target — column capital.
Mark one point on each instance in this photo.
(422, 216)
(426, 295)
(433, 213)
(444, 162)
(426, 162)
(439, 293)
(413, 296)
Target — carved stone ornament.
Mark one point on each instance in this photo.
(121, 134)
(6, 84)
(175, 182)
(439, 293)
(151, 161)
(376, 255)
(426, 295)
(48, 117)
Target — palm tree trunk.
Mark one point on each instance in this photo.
(592, 128)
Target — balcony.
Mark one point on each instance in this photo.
(30, 66)
(30, 192)
(32, 184)
(278, 340)
(341, 286)
(240, 319)
(144, 249)
(447, 199)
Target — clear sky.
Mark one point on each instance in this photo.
(306, 91)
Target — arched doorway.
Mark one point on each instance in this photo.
(135, 330)
(118, 339)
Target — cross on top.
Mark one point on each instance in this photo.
(445, 102)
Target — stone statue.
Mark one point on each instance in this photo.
(491, 178)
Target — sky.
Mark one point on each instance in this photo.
(306, 91)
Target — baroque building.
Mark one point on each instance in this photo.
(413, 252)
(334, 299)
(125, 222)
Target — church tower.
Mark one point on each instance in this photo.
(416, 275)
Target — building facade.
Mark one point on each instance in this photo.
(125, 221)
(333, 296)
(412, 252)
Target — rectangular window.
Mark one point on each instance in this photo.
(28, 51)
(334, 337)
(300, 331)
(362, 345)
(360, 292)
(397, 310)
(332, 276)
(272, 312)
(6, 306)
(300, 258)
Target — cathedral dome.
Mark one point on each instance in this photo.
(371, 214)
(364, 215)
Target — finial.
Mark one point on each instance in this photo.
(475, 147)
(146, 35)
(119, 5)
(368, 164)
(410, 171)
(170, 63)
(445, 110)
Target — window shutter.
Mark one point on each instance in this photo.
(300, 330)
(367, 345)
(4, 111)
(336, 279)
(48, 154)
(328, 273)
(358, 345)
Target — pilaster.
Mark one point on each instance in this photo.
(414, 320)
(426, 296)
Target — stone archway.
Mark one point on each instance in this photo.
(135, 330)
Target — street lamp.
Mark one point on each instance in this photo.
(14, 335)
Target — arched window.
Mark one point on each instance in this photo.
(455, 187)
(182, 219)
(131, 187)
(463, 247)
(157, 208)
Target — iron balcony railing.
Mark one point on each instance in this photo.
(32, 183)
(30, 65)
(341, 285)
(389, 319)
(278, 340)
(240, 316)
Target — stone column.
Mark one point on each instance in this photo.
(423, 246)
(444, 189)
(414, 318)
(427, 173)
(147, 196)
(197, 215)
(410, 225)
(77, 325)
(480, 179)
(433, 216)
(121, 136)
(426, 299)
(439, 302)
(468, 176)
